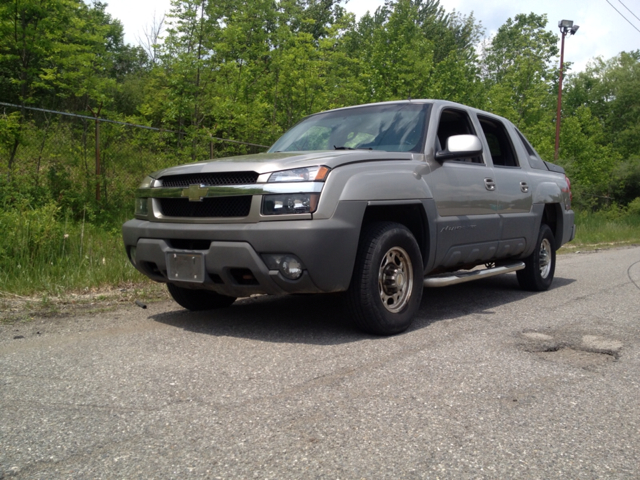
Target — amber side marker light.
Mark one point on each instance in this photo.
(322, 174)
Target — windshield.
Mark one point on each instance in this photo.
(396, 127)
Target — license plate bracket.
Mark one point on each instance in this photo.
(185, 267)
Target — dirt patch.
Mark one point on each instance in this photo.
(17, 308)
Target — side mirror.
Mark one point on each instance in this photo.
(460, 146)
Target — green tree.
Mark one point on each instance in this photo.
(413, 49)
(247, 70)
(62, 53)
(56, 53)
(589, 158)
(28, 33)
(519, 71)
(611, 91)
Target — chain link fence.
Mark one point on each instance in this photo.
(90, 164)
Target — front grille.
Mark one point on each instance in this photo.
(209, 207)
(225, 178)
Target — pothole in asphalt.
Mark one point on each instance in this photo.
(601, 343)
(537, 336)
(577, 358)
(574, 349)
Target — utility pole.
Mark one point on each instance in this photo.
(96, 114)
(566, 26)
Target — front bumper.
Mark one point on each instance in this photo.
(233, 265)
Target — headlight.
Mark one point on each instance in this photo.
(148, 182)
(142, 203)
(288, 203)
(295, 202)
(307, 174)
(142, 209)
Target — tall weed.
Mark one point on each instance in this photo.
(43, 250)
(613, 225)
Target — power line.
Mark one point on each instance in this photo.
(622, 15)
(629, 10)
(126, 124)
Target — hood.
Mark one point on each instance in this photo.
(273, 162)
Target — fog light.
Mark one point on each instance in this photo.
(291, 268)
(132, 255)
(288, 265)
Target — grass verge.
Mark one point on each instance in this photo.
(44, 253)
(50, 265)
(605, 229)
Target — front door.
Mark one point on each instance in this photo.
(466, 199)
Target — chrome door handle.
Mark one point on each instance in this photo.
(524, 187)
(489, 184)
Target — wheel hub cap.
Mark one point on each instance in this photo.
(545, 258)
(395, 279)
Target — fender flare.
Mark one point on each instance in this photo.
(385, 185)
(547, 192)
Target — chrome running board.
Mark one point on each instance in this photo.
(446, 279)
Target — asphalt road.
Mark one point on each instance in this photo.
(490, 382)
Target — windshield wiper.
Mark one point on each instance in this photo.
(351, 148)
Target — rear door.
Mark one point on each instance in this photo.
(513, 189)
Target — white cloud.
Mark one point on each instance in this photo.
(137, 15)
(602, 31)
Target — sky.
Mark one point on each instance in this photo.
(603, 31)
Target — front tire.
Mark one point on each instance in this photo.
(540, 266)
(386, 287)
(197, 300)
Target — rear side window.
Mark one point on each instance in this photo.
(534, 159)
(526, 144)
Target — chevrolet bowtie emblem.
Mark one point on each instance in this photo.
(195, 192)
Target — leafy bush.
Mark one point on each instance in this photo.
(634, 207)
(625, 182)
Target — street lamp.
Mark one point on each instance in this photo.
(566, 26)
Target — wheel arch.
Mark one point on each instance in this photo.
(552, 216)
(411, 214)
(386, 288)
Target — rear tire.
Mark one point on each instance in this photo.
(386, 287)
(540, 266)
(197, 300)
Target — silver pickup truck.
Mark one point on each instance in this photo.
(377, 201)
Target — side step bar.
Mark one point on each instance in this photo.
(446, 279)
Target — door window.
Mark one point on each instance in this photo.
(455, 122)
